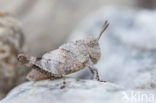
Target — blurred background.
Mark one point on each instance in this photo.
(47, 24)
(50, 22)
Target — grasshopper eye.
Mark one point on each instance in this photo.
(90, 41)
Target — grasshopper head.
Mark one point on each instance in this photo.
(93, 49)
(93, 45)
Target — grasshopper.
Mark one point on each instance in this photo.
(68, 58)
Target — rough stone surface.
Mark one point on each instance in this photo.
(76, 91)
(50, 92)
(128, 46)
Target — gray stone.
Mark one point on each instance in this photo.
(76, 91)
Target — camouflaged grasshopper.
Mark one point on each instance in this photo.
(68, 58)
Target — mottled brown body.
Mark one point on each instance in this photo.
(68, 58)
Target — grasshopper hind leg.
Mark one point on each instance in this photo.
(36, 75)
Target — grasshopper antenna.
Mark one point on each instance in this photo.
(106, 24)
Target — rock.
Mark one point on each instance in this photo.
(128, 46)
(47, 91)
(11, 43)
(84, 91)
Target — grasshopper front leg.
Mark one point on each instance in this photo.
(95, 73)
